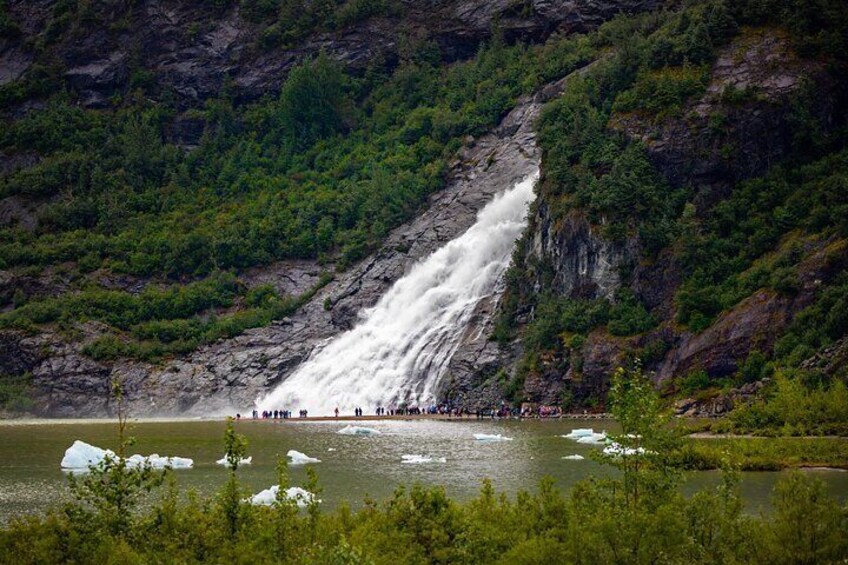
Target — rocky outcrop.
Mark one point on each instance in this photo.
(754, 324)
(583, 262)
(720, 349)
(832, 360)
(743, 123)
(193, 49)
(720, 404)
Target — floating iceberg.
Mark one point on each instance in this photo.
(158, 462)
(617, 450)
(268, 496)
(80, 456)
(587, 436)
(594, 439)
(358, 431)
(491, 437)
(298, 458)
(245, 461)
(574, 457)
(579, 432)
(421, 459)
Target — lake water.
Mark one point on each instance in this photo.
(352, 467)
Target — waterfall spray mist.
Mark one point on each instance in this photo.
(400, 349)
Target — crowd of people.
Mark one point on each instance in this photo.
(494, 412)
(276, 414)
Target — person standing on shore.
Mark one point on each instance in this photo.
(337, 411)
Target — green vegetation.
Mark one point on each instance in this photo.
(661, 92)
(323, 171)
(293, 20)
(329, 166)
(157, 338)
(638, 516)
(761, 237)
(758, 238)
(8, 28)
(560, 326)
(820, 324)
(14, 395)
(159, 322)
(793, 407)
(763, 454)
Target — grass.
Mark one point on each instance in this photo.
(764, 454)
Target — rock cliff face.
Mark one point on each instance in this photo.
(194, 49)
(689, 150)
(583, 262)
(751, 88)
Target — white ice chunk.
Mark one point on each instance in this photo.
(491, 437)
(579, 432)
(158, 462)
(358, 431)
(617, 450)
(587, 436)
(574, 457)
(331, 449)
(245, 461)
(413, 459)
(298, 458)
(268, 496)
(594, 439)
(81, 455)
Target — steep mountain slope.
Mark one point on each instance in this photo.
(651, 240)
(194, 49)
(177, 173)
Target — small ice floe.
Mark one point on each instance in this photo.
(491, 437)
(331, 449)
(578, 433)
(267, 497)
(587, 436)
(80, 456)
(245, 461)
(594, 439)
(413, 459)
(298, 458)
(158, 462)
(358, 431)
(617, 450)
(574, 457)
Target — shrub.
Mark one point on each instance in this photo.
(694, 381)
(791, 408)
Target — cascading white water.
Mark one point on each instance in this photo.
(401, 348)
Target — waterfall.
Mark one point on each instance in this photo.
(401, 347)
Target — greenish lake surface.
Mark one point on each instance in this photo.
(352, 468)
